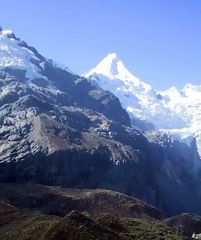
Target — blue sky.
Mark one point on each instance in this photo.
(158, 40)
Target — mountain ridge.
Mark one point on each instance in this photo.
(173, 111)
(46, 212)
(63, 130)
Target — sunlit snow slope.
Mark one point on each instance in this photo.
(14, 54)
(173, 111)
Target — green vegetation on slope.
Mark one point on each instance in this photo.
(35, 223)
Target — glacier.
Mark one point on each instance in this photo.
(176, 113)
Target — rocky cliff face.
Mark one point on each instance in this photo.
(59, 129)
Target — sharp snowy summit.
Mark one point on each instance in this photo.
(112, 75)
(174, 112)
(16, 54)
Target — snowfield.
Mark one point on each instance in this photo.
(174, 112)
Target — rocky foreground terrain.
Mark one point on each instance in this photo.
(37, 212)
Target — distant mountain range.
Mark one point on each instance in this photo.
(58, 128)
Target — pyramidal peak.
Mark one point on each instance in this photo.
(113, 68)
(110, 65)
(112, 56)
(112, 75)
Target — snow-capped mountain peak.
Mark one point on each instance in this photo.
(111, 74)
(176, 112)
(15, 54)
(113, 68)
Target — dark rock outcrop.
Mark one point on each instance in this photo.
(185, 224)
